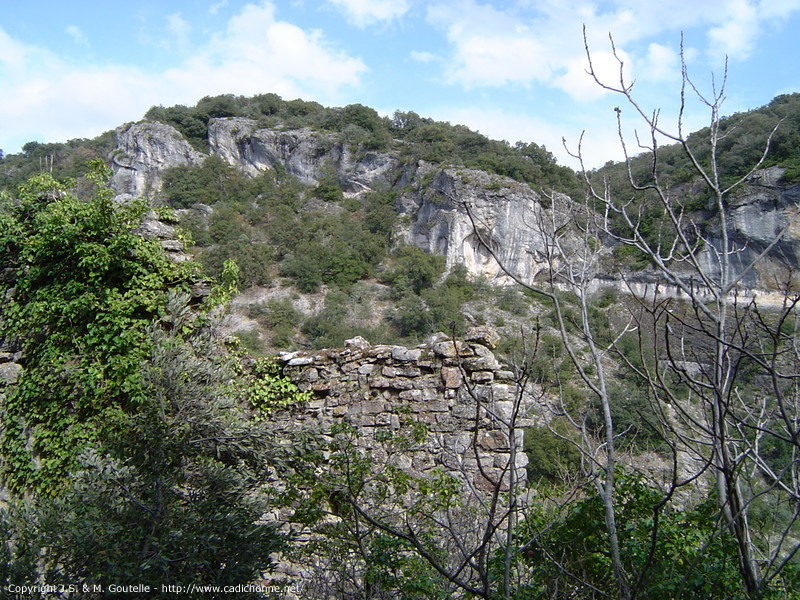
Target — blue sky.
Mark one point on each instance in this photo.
(513, 70)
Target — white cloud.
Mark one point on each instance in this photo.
(490, 60)
(423, 57)
(541, 41)
(736, 36)
(661, 64)
(47, 98)
(77, 34)
(216, 7)
(581, 85)
(179, 32)
(777, 9)
(368, 12)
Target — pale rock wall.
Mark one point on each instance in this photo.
(304, 153)
(447, 215)
(143, 152)
(760, 212)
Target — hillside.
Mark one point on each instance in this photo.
(497, 384)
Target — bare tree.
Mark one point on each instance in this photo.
(720, 332)
(722, 376)
(571, 234)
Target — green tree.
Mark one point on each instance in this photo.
(178, 495)
(85, 287)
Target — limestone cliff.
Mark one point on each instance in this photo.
(450, 210)
(762, 212)
(143, 152)
(434, 199)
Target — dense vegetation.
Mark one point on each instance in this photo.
(741, 141)
(125, 444)
(741, 144)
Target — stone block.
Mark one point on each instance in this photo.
(451, 349)
(372, 407)
(9, 373)
(408, 372)
(503, 409)
(503, 391)
(387, 419)
(435, 406)
(395, 383)
(366, 369)
(402, 354)
(451, 377)
(356, 343)
(481, 363)
(482, 376)
(458, 443)
(494, 440)
(300, 361)
(309, 375)
(427, 383)
(412, 395)
(483, 335)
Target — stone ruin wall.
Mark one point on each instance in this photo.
(457, 389)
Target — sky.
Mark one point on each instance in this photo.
(513, 70)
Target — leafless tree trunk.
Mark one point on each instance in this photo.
(703, 342)
(728, 331)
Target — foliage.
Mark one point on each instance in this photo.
(668, 553)
(364, 130)
(177, 495)
(69, 160)
(414, 269)
(82, 327)
(357, 558)
(269, 389)
(742, 138)
(552, 453)
(422, 307)
(330, 327)
(280, 318)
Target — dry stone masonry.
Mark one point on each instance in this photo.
(457, 389)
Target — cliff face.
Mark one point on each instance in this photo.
(458, 208)
(434, 201)
(762, 212)
(302, 152)
(143, 152)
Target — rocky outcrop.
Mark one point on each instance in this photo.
(143, 152)
(434, 200)
(306, 154)
(760, 213)
(457, 389)
(449, 211)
